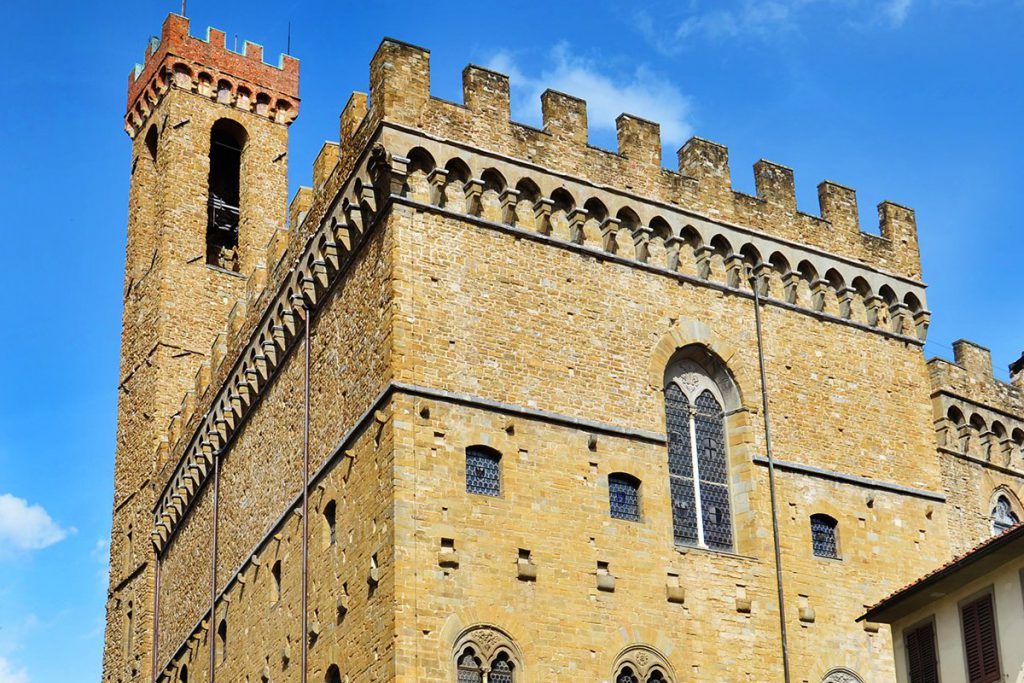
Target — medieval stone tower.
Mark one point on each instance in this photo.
(208, 189)
(486, 406)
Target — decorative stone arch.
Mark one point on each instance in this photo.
(487, 644)
(841, 675)
(1003, 492)
(643, 661)
(693, 346)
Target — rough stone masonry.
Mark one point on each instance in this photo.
(535, 440)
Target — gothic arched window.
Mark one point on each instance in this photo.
(824, 541)
(484, 654)
(641, 664)
(1003, 516)
(698, 469)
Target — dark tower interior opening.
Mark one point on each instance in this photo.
(227, 140)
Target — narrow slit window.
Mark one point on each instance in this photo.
(330, 523)
(624, 496)
(483, 471)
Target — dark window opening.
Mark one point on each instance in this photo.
(183, 674)
(333, 675)
(227, 140)
(222, 641)
(823, 536)
(330, 515)
(275, 574)
(483, 471)
(979, 625)
(922, 664)
(624, 497)
(152, 137)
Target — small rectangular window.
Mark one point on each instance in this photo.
(624, 497)
(483, 471)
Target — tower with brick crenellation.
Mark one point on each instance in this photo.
(209, 130)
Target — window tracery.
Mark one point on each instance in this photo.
(485, 654)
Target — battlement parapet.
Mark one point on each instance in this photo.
(975, 413)
(400, 93)
(209, 68)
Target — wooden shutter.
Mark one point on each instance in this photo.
(922, 664)
(979, 626)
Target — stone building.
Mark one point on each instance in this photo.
(484, 403)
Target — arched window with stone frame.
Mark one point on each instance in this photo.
(1003, 515)
(698, 393)
(642, 664)
(841, 676)
(486, 654)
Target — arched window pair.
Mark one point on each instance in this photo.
(642, 664)
(697, 462)
(485, 654)
(1003, 516)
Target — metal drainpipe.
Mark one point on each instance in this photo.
(213, 568)
(156, 610)
(305, 506)
(771, 475)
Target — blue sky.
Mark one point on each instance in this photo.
(917, 101)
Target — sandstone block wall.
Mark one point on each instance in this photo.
(470, 280)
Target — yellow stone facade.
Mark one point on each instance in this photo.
(471, 281)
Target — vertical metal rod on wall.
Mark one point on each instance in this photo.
(771, 475)
(156, 609)
(213, 569)
(305, 507)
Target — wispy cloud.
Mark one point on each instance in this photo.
(640, 91)
(764, 20)
(10, 674)
(25, 527)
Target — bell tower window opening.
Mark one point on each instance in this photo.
(227, 142)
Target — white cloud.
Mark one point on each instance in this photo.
(26, 527)
(640, 92)
(8, 674)
(896, 11)
(765, 20)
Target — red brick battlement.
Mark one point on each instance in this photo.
(207, 67)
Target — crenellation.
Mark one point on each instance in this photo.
(639, 140)
(324, 164)
(486, 93)
(775, 185)
(838, 206)
(399, 81)
(209, 69)
(564, 117)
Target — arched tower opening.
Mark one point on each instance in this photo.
(227, 144)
